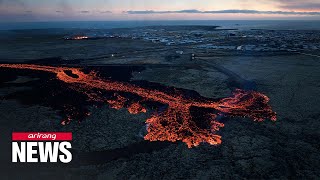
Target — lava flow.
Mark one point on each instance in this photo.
(79, 37)
(177, 121)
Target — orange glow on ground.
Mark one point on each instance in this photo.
(80, 37)
(176, 122)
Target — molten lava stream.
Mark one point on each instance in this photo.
(176, 122)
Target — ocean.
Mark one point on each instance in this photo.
(236, 24)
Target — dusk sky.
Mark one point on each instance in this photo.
(75, 10)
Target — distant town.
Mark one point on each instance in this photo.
(201, 41)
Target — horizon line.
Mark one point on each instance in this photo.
(126, 20)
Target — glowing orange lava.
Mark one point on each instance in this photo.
(136, 108)
(80, 37)
(176, 122)
(118, 103)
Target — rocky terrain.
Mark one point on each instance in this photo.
(111, 141)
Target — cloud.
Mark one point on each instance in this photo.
(59, 11)
(84, 12)
(308, 6)
(189, 11)
(19, 6)
(164, 12)
(65, 6)
(228, 11)
(12, 2)
(299, 5)
(105, 12)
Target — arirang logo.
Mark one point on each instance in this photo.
(41, 147)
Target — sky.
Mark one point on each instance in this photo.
(86, 10)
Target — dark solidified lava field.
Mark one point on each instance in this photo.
(109, 144)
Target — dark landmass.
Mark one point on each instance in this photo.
(199, 61)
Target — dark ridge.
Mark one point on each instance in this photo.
(183, 27)
(48, 91)
(52, 61)
(117, 73)
(201, 116)
(69, 73)
(7, 75)
(186, 27)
